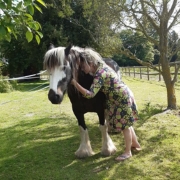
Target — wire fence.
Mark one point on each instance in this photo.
(32, 90)
(44, 75)
(32, 76)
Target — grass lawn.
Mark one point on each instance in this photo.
(38, 139)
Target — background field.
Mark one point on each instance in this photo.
(38, 139)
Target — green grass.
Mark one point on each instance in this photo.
(38, 139)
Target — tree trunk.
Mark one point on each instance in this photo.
(171, 97)
(164, 61)
(170, 85)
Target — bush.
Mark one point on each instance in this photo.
(7, 86)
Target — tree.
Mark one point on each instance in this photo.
(155, 17)
(90, 23)
(138, 44)
(17, 15)
(25, 57)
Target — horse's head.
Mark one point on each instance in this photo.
(60, 73)
(63, 64)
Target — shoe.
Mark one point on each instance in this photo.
(135, 149)
(123, 157)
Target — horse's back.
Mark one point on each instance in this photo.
(114, 65)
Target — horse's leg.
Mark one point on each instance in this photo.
(84, 149)
(108, 147)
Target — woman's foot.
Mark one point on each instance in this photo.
(135, 146)
(123, 157)
(136, 149)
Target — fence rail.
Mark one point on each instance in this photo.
(146, 72)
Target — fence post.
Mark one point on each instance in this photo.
(129, 71)
(148, 73)
(134, 71)
(140, 73)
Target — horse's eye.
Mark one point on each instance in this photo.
(64, 68)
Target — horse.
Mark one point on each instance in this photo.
(59, 62)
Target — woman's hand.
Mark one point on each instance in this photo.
(79, 87)
(73, 82)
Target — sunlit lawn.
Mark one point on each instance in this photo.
(38, 139)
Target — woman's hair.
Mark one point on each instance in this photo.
(78, 56)
(91, 56)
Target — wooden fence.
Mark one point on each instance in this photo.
(144, 72)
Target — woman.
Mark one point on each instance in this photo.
(120, 105)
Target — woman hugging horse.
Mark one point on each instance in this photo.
(121, 109)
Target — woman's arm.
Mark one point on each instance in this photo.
(94, 89)
(82, 90)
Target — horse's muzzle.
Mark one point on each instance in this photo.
(54, 98)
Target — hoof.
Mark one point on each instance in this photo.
(107, 152)
(83, 154)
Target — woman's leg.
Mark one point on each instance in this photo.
(128, 142)
(135, 143)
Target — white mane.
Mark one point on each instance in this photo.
(55, 52)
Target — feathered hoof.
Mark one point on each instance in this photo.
(83, 153)
(107, 152)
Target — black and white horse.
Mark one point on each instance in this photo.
(60, 63)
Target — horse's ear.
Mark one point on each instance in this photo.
(68, 49)
(51, 46)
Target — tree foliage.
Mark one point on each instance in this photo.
(18, 15)
(90, 23)
(138, 44)
(57, 28)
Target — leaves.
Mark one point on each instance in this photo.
(2, 5)
(37, 7)
(29, 36)
(28, 16)
(40, 34)
(2, 31)
(37, 39)
(41, 2)
(17, 15)
(30, 9)
(8, 37)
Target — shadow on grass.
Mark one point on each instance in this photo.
(44, 149)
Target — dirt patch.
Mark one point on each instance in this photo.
(174, 112)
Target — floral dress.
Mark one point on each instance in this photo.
(121, 109)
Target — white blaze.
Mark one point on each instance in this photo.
(56, 75)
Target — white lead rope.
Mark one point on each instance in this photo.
(23, 77)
